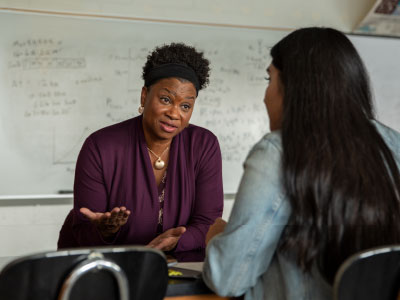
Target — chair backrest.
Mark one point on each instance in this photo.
(133, 272)
(371, 274)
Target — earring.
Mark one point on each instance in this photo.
(140, 109)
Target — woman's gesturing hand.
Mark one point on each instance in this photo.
(167, 240)
(107, 223)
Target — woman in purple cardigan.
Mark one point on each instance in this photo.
(155, 179)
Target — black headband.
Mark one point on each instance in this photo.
(172, 70)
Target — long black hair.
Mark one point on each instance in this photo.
(340, 176)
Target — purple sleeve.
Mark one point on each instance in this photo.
(209, 198)
(90, 192)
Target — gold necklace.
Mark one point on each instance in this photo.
(159, 163)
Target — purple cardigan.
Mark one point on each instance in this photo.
(114, 169)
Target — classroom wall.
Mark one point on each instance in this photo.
(30, 226)
(342, 14)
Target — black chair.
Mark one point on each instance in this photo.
(105, 273)
(371, 274)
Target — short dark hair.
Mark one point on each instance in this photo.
(181, 54)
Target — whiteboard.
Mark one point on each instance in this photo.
(381, 57)
(62, 78)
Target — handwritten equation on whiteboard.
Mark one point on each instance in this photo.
(51, 82)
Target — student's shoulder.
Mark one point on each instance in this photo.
(391, 136)
(265, 156)
(270, 142)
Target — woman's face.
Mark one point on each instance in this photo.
(274, 98)
(168, 105)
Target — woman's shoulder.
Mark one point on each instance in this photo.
(114, 139)
(198, 134)
(115, 132)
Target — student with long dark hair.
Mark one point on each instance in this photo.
(323, 185)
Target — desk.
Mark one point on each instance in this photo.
(180, 289)
(196, 287)
(190, 290)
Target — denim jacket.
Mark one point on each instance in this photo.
(242, 259)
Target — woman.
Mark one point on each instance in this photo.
(321, 186)
(155, 179)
